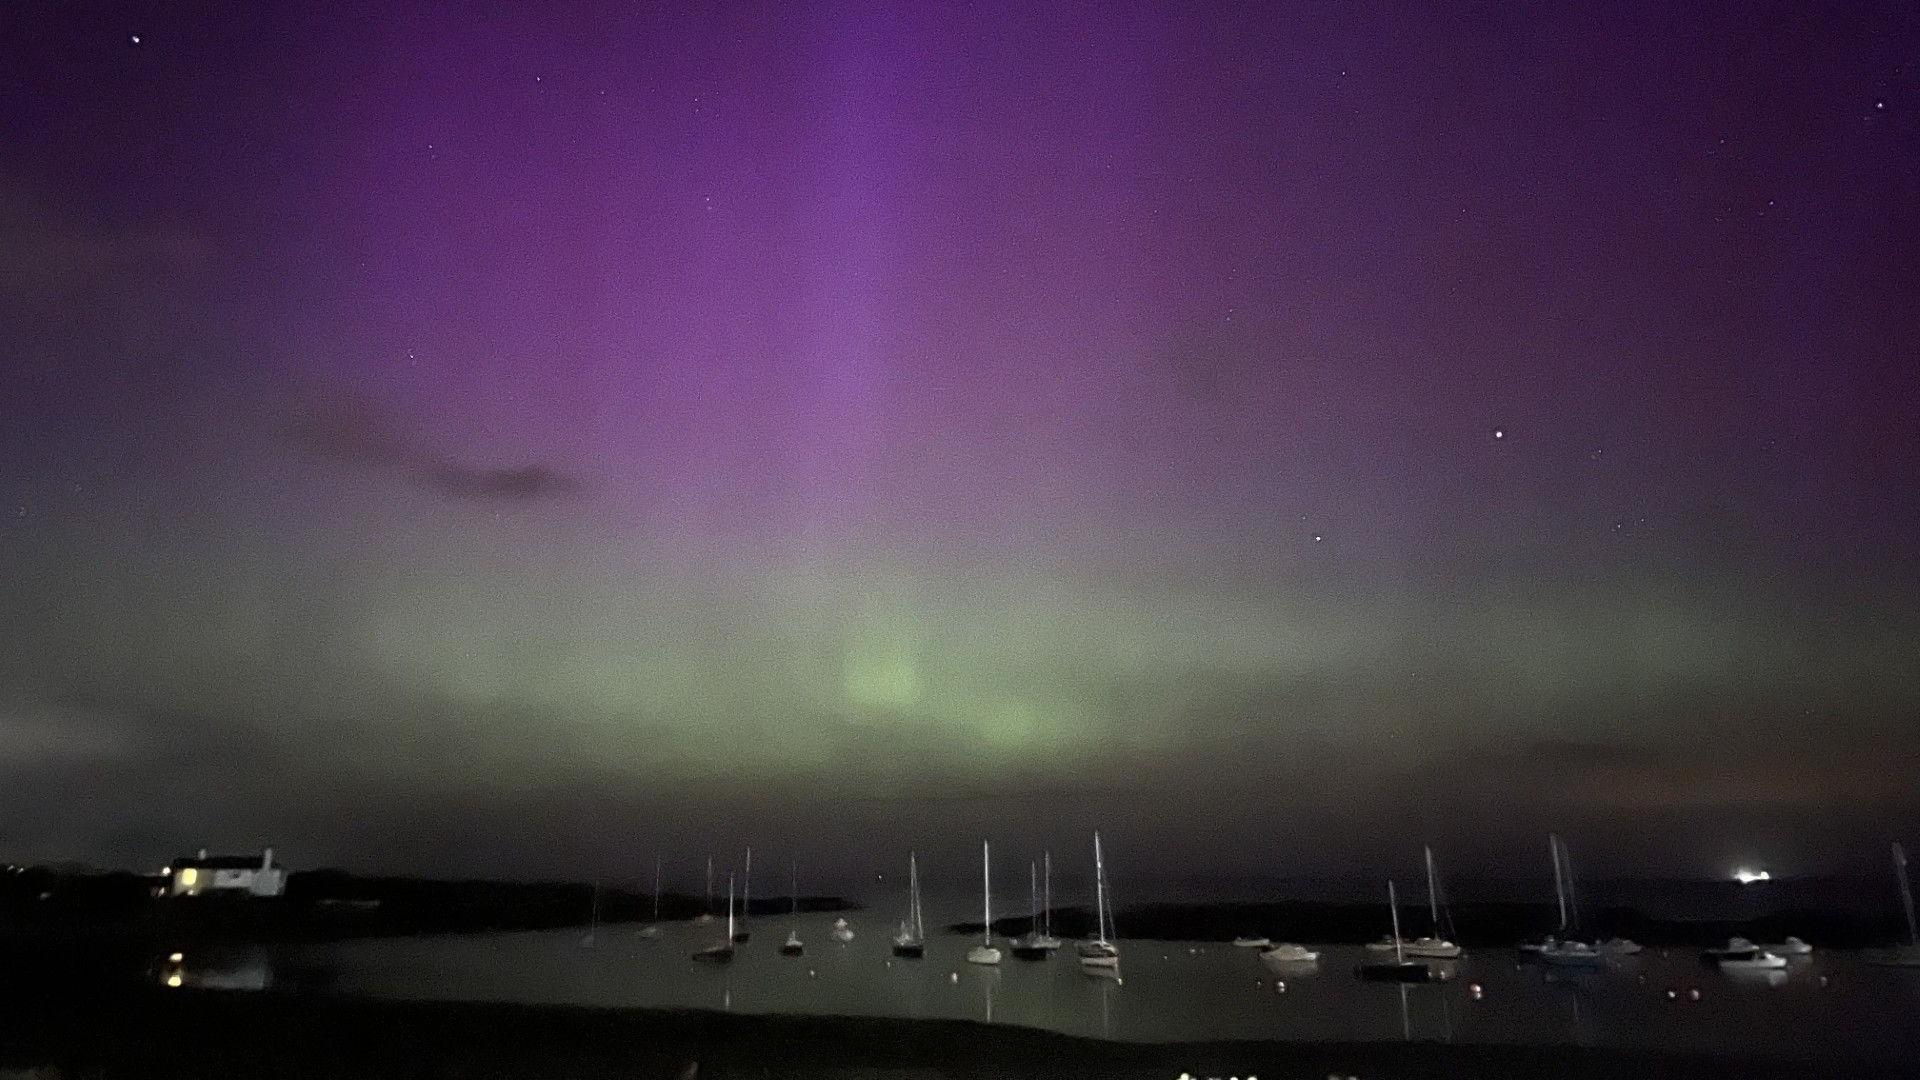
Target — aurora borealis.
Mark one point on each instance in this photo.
(511, 440)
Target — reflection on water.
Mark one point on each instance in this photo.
(248, 968)
(1164, 991)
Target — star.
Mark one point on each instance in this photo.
(1318, 538)
(134, 38)
(1499, 434)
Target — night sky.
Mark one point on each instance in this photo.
(507, 440)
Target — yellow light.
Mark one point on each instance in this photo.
(173, 979)
(189, 877)
(176, 958)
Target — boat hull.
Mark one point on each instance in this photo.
(984, 955)
(1573, 958)
(1409, 972)
(913, 951)
(718, 954)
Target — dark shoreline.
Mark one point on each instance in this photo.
(1476, 925)
(152, 1033)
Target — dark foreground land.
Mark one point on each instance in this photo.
(155, 1033)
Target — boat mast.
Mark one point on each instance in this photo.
(1046, 895)
(1433, 893)
(729, 909)
(746, 888)
(1559, 883)
(1393, 907)
(1033, 897)
(1906, 891)
(709, 908)
(656, 888)
(793, 894)
(1099, 891)
(913, 883)
(986, 893)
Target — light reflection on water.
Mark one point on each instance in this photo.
(1165, 991)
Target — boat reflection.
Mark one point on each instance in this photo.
(217, 969)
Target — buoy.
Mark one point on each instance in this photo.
(1280, 986)
(1673, 995)
(953, 976)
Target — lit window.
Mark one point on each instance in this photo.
(189, 877)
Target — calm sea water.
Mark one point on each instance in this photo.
(1830, 1003)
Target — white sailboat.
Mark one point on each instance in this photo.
(1758, 960)
(1102, 952)
(652, 929)
(1248, 941)
(1907, 955)
(911, 941)
(1398, 969)
(1432, 946)
(985, 953)
(1438, 944)
(1033, 945)
(746, 900)
(842, 930)
(1559, 951)
(793, 946)
(1286, 952)
(706, 913)
(722, 951)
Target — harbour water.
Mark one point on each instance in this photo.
(1830, 1004)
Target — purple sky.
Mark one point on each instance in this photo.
(1402, 423)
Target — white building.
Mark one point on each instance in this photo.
(226, 875)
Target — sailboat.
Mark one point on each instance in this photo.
(842, 931)
(985, 953)
(911, 941)
(1433, 946)
(706, 913)
(746, 900)
(1028, 946)
(1286, 952)
(593, 920)
(1907, 955)
(1398, 969)
(1565, 952)
(1102, 951)
(652, 929)
(1438, 944)
(722, 951)
(792, 946)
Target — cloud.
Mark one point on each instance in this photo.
(363, 434)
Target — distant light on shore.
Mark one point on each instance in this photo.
(1747, 877)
